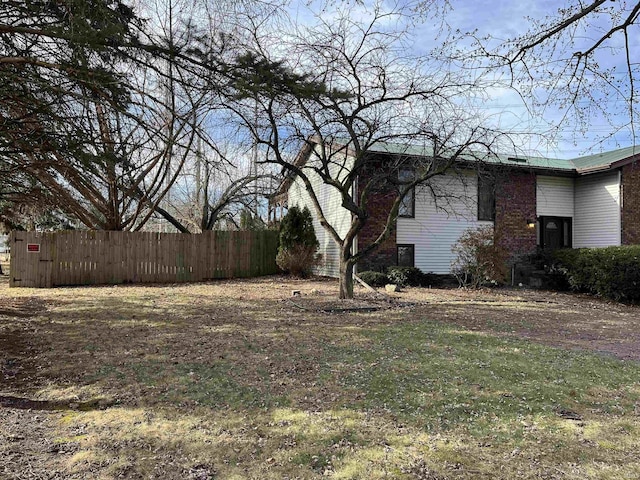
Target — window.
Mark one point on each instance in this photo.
(406, 256)
(486, 198)
(408, 203)
(567, 240)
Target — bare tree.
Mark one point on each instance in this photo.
(582, 59)
(217, 185)
(97, 111)
(345, 88)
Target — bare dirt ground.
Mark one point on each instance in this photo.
(56, 343)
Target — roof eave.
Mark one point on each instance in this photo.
(596, 169)
(626, 161)
(569, 172)
(300, 160)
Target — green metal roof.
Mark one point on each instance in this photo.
(605, 159)
(533, 162)
(579, 165)
(591, 162)
(402, 149)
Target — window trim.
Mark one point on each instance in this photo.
(412, 248)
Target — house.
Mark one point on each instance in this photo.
(590, 201)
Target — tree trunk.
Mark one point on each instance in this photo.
(346, 278)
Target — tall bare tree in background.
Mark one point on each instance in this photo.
(219, 187)
(222, 178)
(102, 109)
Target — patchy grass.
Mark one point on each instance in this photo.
(230, 380)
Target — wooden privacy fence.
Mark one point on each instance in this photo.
(99, 257)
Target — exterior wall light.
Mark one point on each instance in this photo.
(531, 223)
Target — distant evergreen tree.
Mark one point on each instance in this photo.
(250, 222)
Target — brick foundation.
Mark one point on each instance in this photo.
(630, 214)
(515, 205)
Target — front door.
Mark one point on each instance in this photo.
(552, 233)
(556, 232)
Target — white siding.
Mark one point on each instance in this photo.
(439, 221)
(331, 203)
(597, 211)
(555, 196)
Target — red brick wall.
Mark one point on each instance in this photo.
(631, 204)
(378, 207)
(515, 205)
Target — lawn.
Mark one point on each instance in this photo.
(237, 379)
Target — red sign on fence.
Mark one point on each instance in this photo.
(33, 247)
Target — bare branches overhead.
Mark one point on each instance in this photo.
(581, 59)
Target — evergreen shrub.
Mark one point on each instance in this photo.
(408, 276)
(297, 252)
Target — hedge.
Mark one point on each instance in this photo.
(611, 272)
(375, 279)
(406, 276)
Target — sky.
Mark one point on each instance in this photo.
(508, 19)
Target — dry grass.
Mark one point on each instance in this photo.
(231, 380)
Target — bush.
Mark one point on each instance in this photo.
(479, 261)
(297, 252)
(298, 260)
(408, 276)
(375, 279)
(611, 272)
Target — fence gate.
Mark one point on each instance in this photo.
(31, 259)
